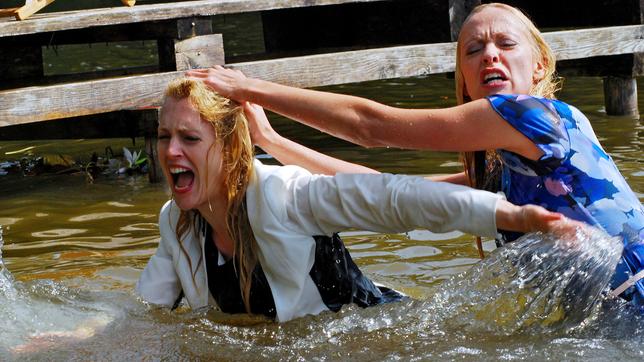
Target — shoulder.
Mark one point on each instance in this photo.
(277, 173)
(273, 190)
(272, 181)
(168, 216)
(524, 107)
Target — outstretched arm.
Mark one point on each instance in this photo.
(288, 152)
(470, 127)
(396, 203)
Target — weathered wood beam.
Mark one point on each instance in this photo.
(584, 43)
(141, 13)
(67, 100)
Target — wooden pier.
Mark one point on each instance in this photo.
(307, 43)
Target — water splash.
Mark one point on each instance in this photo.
(539, 283)
(44, 313)
(7, 290)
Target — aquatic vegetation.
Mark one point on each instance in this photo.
(136, 162)
(130, 163)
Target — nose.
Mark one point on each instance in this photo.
(173, 149)
(490, 54)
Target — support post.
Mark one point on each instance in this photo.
(186, 28)
(620, 90)
(620, 95)
(458, 12)
(155, 173)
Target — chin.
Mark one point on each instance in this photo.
(185, 204)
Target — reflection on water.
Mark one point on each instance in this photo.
(75, 251)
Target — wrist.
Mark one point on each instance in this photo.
(246, 89)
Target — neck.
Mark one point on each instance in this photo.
(215, 215)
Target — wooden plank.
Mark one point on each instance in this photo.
(31, 7)
(66, 100)
(576, 44)
(153, 12)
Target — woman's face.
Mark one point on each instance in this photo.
(189, 155)
(497, 55)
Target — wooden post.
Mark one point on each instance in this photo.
(199, 52)
(620, 95)
(458, 12)
(620, 90)
(155, 173)
(185, 28)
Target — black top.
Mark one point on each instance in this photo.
(337, 277)
(223, 283)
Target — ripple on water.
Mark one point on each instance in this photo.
(58, 233)
(102, 215)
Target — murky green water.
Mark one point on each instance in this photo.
(75, 250)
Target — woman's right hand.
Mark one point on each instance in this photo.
(227, 82)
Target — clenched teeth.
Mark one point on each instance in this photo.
(177, 170)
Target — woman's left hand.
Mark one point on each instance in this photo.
(261, 131)
(536, 218)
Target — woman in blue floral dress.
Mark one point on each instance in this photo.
(543, 151)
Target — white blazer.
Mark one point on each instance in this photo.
(287, 205)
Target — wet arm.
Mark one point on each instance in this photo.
(288, 152)
(395, 203)
(470, 127)
(456, 178)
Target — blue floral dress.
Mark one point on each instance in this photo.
(575, 177)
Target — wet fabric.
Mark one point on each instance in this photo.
(337, 278)
(223, 284)
(575, 177)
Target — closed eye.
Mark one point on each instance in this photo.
(473, 49)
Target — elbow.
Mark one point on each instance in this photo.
(364, 137)
(368, 130)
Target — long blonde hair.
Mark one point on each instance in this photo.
(483, 167)
(231, 130)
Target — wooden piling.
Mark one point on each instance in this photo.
(620, 96)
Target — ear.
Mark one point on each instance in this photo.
(538, 73)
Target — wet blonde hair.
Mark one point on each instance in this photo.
(475, 162)
(231, 131)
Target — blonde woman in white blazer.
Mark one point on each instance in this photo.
(251, 238)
